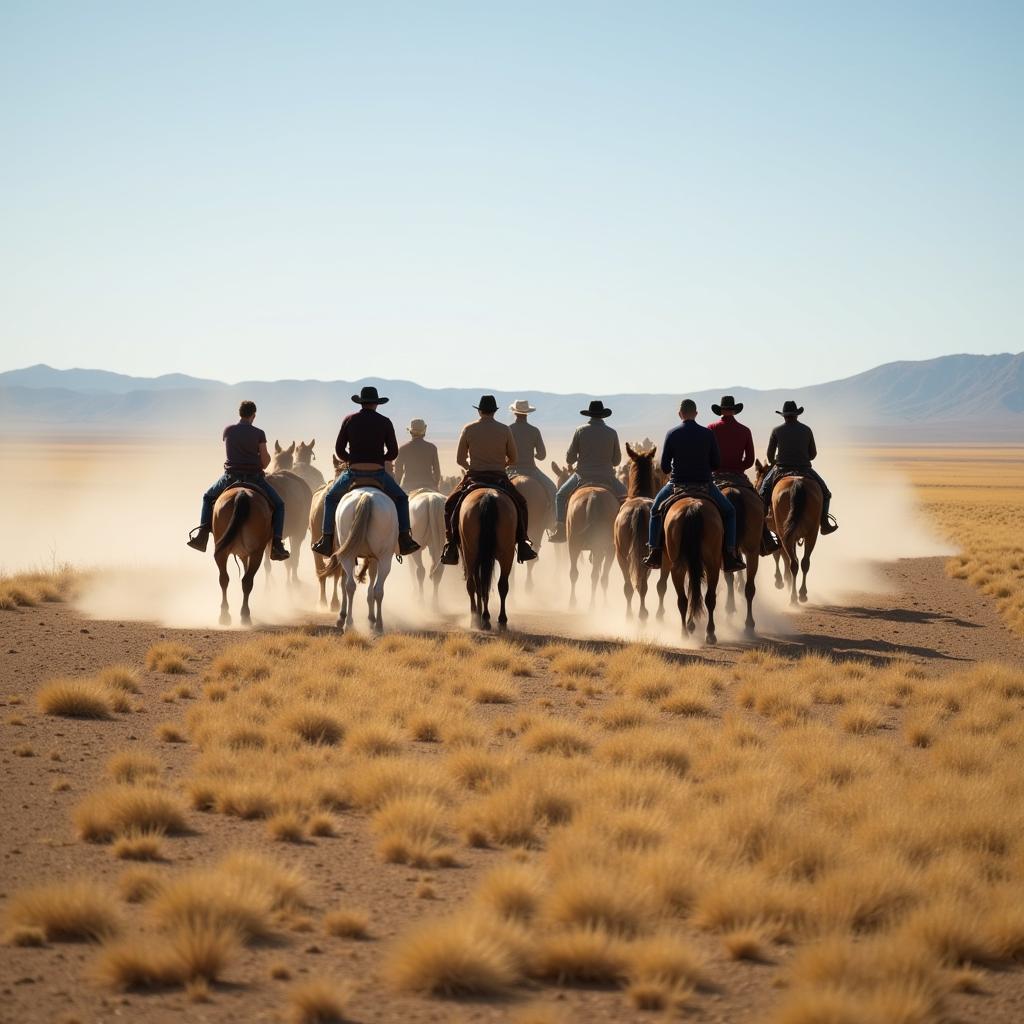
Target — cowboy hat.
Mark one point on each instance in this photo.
(596, 410)
(417, 428)
(487, 404)
(790, 409)
(368, 396)
(729, 404)
(521, 407)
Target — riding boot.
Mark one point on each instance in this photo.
(325, 545)
(769, 545)
(406, 545)
(653, 558)
(278, 552)
(828, 523)
(524, 552)
(450, 553)
(558, 535)
(731, 561)
(198, 538)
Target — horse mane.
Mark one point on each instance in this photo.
(641, 475)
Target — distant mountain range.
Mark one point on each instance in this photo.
(961, 398)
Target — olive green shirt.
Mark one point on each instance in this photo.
(487, 446)
(594, 450)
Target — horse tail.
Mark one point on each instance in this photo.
(639, 526)
(435, 526)
(356, 535)
(691, 557)
(487, 544)
(241, 506)
(364, 573)
(797, 505)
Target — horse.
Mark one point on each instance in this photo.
(795, 518)
(693, 551)
(241, 527)
(316, 531)
(297, 496)
(426, 519)
(589, 521)
(303, 465)
(366, 525)
(540, 512)
(487, 534)
(632, 524)
(749, 528)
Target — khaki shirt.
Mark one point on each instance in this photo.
(529, 443)
(417, 465)
(487, 446)
(594, 450)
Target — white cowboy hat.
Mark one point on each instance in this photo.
(417, 428)
(521, 406)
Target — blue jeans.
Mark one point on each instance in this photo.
(251, 480)
(574, 482)
(351, 478)
(725, 507)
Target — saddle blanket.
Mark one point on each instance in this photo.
(681, 491)
(723, 480)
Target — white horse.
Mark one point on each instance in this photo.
(366, 524)
(426, 518)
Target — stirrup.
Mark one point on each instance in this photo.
(321, 546)
(653, 558)
(828, 525)
(199, 538)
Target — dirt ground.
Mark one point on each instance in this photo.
(926, 617)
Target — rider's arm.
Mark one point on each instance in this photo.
(435, 467)
(616, 452)
(812, 448)
(714, 452)
(341, 445)
(747, 459)
(538, 447)
(773, 447)
(264, 455)
(462, 455)
(390, 444)
(666, 455)
(511, 452)
(573, 454)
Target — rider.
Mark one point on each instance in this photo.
(246, 457)
(791, 447)
(736, 449)
(530, 446)
(594, 452)
(690, 454)
(417, 466)
(366, 442)
(486, 450)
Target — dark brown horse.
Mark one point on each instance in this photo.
(749, 527)
(241, 527)
(693, 534)
(631, 526)
(487, 534)
(795, 518)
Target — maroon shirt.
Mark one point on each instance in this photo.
(242, 447)
(735, 442)
(366, 436)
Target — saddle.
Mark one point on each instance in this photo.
(723, 480)
(680, 491)
(252, 483)
(358, 480)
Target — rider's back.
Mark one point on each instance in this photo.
(242, 447)
(793, 444)
(488, 444)
(595, 448)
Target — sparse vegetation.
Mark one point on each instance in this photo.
(120, 810)
(66, 911)
(169, 657)
(27, 589)
(347, 923)
(75, 698)
(319, 1001)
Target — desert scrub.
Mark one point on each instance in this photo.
(169, 657)
(27, 589)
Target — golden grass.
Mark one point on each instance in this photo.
(138, 885)
(131, 766)
(27, 589)
(119, 810)
(347, 923)
(319, 1001)
(75, 698)
(70, 911)
(119, 677)
(142, 844)
(169, 657)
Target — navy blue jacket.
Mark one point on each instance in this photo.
(690, 453)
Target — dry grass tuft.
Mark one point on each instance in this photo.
(319, 1001)
(346, 923)
(75, 698)
(65, 911)
(119, 677)
(169, 732)
(286, 827)
(28, 589)
(188, 954)
(512, 891)
(138, 845)
(581, 956)
(169, 657)
(745, 943)
(131, 766)
(119, 810)
(26, 936)
(138, 885)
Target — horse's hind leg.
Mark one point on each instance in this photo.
(605, 574)
(710, 601)
(750, 590)
(502, 594)
(574, 575)
(779, 584)
(595, 576)
(641, 589)
(805, 565)
(421, 572)
(662, 587)
(247, 582)
(335, 603)
(222, 566)
(730, 599)
(318, 561)
(378, 593)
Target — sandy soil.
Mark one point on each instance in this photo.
(927, 617)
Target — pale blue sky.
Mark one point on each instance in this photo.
(567, 196)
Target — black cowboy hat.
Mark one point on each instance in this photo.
(596, 410)
(790, 409)
(368, 396)
(487, 404)
(729, 404)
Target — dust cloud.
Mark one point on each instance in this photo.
(123, 510)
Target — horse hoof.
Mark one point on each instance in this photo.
(225, 619)
(711, 639)
(484, 624)
(749, 629)
(803, 599)
(690, 627)
(502, 626)
(643, 614)
(378, 627)
(246, 620)
(335, 606)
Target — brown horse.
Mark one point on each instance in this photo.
(795, 518)
(241, 527)
(631, 526)
(297, 497)
(749, 527)
(316, 531)
(487, 534)
(541, 515)
(303, 465)
(693, 551)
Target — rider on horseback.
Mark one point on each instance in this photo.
(736, 450)
(690, 454)
(417, 466)
(595, 453)
(791, 447)
(530, 446)
(246, 457)
(366, 442)
(486, 450)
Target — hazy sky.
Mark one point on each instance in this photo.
(569, 196)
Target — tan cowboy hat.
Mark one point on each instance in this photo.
(417, 428)
(521, 407)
